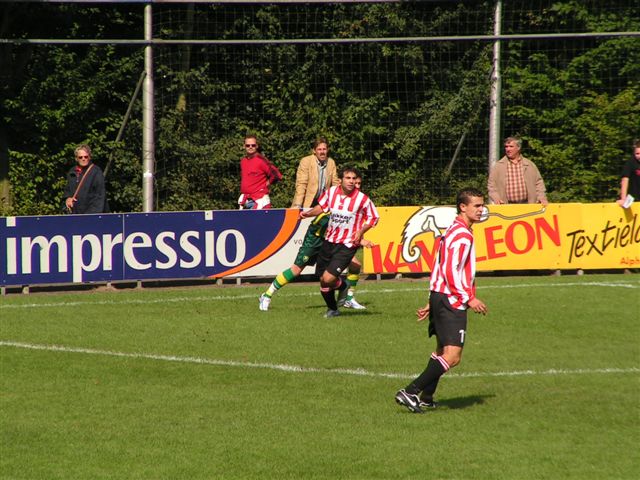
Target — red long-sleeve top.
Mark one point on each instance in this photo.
(256, 174)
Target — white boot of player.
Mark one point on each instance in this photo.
(264, 302)
(354, 304)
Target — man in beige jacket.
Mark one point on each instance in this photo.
(514, 178)
(316, 173)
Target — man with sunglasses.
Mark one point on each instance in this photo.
(85, 191)
(257, 173)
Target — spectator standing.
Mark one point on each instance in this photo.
(452, 291)
(316, 174)
(514, 178)
(257, 174)
(352, 213)
(630, 178)
(85, 190)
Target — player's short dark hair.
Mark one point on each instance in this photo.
(464, 196)
(351, 169)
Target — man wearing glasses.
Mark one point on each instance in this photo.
(256, 174)
(85, 192)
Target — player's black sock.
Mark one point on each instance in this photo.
(329, 295)
(342, 286)
(429, 390)
(436, 367)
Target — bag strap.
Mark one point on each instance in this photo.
(81, 182)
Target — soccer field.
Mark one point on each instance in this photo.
(196, 383)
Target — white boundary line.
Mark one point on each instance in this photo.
(300, 369)
(210, 298)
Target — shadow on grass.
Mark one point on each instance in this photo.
(343, 311)
(463, 402)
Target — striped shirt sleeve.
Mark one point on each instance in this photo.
(454, 270)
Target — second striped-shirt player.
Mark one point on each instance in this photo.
(352, 213)
(452, 291)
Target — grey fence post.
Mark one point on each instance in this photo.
(148, 142)
(496, 92)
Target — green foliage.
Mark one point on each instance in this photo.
(60, 96)
(396, 110)
(582, 135)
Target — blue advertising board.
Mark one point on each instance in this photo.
(140, 246)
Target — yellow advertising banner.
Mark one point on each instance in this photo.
(511, 237)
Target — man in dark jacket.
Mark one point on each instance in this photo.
(630, 182)
(85, 192)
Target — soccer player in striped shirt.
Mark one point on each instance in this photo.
(352, 213)
(452, 291)
(308, 254)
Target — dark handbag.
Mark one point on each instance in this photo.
(66, 210)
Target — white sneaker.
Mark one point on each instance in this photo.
(264, 302)
(354, 304)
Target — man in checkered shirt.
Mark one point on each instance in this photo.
(514, 178)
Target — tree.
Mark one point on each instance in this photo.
(398, 110)
(56, 97)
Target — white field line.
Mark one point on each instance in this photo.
(300, 369)
(213, 298)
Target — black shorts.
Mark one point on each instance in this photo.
(448, 324)
(334, 258)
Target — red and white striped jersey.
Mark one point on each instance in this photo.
(454, 270)
(348, 214)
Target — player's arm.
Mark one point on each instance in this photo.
(314, 212)
(456, 255)
(477, 306)
(357, 237)
(366, 243)
(423, 313)
(371, 218)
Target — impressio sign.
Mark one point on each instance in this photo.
(114, 247)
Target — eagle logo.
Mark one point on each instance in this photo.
(436, 220)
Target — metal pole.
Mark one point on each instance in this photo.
(496, 92)
(125, 120)
(148, 144)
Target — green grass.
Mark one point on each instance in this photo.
(191, 383)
